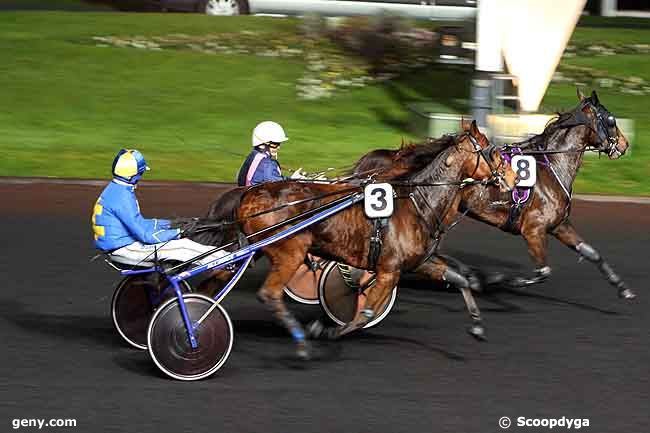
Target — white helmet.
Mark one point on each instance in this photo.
(268, 131)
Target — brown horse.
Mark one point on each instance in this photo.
(345, 237)
(559, 150)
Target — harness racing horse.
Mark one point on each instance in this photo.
(345, 236)
(559, 150)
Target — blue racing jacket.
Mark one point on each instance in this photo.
(117, 221)
(259, 167)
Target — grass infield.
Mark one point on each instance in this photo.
(70, 103)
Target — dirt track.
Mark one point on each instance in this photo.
(566, 348)
(52, 197)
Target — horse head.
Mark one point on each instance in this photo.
(488, 163)
(605, 135)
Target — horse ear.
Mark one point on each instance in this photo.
(473, 129)
(581, 96)
(464, 124)
(594, 97)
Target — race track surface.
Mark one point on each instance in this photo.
(568, 347)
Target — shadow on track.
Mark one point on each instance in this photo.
(138, 362)
(547, 299)
(78, 327)
(381, 339)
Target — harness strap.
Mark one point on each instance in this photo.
(513, 218)
(567, 209)
(436, 232)
(518, 204)
(378, 227)
(242, 240)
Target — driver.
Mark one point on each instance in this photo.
(124, 233)
(262, 164)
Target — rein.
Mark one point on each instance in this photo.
(549, 152)
(350, 192)
(266, 229)
(220, 224)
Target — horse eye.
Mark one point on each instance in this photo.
(611, 121)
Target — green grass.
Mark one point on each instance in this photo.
(70, 105)
(76, 5)
(628, 175)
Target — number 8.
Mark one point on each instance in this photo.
(526, 168)
(523, 169)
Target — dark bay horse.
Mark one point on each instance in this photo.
(345, 237)
(559, 151)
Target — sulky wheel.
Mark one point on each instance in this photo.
(339, 297)
(223, 7)
(303, 286)
(134, 302)
(169, 345)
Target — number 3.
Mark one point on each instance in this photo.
(378, 200)
(381, 199)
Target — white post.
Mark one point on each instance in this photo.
(489, 59)
(608, 8)
(488, 37)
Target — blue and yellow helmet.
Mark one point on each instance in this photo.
(128, 166)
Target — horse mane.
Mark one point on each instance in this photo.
(414, 157)
(408, 158)
(540, 141)
(428, 150)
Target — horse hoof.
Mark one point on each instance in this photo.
(626, 294)
(475, 284)
(518, 282)
(477, 331)
(302, 351)
(315, 329)
(496, 278)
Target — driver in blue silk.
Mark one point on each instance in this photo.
(122, 231)
(262, 165)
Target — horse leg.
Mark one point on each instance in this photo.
(285, 261)
(536, 241)
(377, 295)
(439, 270)
(567, 234)
(462, 268)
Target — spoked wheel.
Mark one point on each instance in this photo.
(223, 7)
(339, 296)
(303, 286)
(134, 302)
(169, 345)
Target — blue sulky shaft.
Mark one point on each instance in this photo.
(246, 254)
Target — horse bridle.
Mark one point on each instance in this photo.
(605, 123)
(486, 154)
